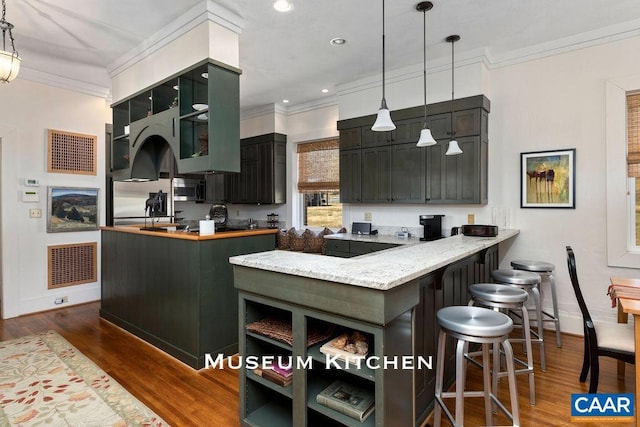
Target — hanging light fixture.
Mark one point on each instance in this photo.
(454, 148)
(426, 138)
(383, 121)
(9, 61)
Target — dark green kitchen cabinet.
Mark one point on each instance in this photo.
(262, 177)
(394, 170)
(350, 176)
(407, 173)
(376, 175)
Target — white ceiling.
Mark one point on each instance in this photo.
(289, 55)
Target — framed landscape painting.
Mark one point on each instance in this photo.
(548, 179)
(72, 209)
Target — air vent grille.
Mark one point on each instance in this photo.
(72, 264)
(72, 153)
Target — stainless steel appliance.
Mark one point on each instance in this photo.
(219, 215)
(130, 201)
(189, 190)
(432, 227)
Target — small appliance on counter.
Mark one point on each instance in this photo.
(219, 215)
(479, 230)
(361, 228)
(432, 227)
(272, 220)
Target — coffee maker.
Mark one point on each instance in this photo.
(432, 227)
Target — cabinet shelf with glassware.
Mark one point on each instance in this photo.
(203, 132)
(209, 125)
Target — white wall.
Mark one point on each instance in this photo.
(27, 110)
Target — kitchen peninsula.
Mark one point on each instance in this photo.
(174, 289)
(390, 296)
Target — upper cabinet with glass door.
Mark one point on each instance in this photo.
(209, 119)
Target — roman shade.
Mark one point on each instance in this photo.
(319, 166)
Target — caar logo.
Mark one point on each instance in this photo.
(602, 407)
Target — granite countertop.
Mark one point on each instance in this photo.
(374, 238)
(379, 270)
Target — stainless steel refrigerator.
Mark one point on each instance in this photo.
(130, 202)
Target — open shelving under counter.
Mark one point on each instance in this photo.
(391, 297)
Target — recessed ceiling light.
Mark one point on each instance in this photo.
(325, 90)
(286, 101)
(338, 41)
(283, 6)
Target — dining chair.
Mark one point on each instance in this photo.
(609, 339)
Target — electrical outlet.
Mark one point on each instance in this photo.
(367, 216)
(238, 212)
(61, 300)
(35, 213)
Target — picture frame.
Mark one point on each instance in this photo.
(72, 209)
(548, 179)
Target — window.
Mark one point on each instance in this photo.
(633, 165)
(319, 183)
(622, 199)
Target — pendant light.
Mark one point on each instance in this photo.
(426, 139)
(454, 148)
(383, 121)
(9, 61)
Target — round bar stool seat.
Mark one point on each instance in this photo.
(545, 270)
(497, 297)
(473, 325)
(530, 282)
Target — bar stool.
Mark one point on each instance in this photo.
(473, 325)
(545, 270)
(497, 296)
(530, 282)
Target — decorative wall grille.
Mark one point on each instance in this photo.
(70, 152)
(72, 264)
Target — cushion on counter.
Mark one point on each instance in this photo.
(313, 241)
(282, 239)
(296, 240)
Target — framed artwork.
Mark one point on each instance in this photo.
(72, 209)
(548, 179)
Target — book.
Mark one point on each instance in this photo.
(355, 402)
(351, 348)
(273, 376)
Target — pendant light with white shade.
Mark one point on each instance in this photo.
(454, 148)
(383, 121)
(426, 139)
(9, 61)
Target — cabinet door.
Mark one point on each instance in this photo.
(265, 178)
(454, 179)
(376, 175)
(375, 139)
(440, 125)
(425, 342)
(248, 185)
(350, 138)
(350, 175)
(408, 131)
(408, 173)
(215, 188)
(467, 122)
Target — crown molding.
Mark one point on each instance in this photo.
(54, 80)
(200, 13)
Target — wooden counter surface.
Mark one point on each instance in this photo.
(179, 234)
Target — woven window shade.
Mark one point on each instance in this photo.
(319, 166)
(73, 153)
(633, 135)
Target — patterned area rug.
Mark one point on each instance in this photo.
(44, 380)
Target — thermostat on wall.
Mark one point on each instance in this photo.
(30, 196)
(30, 182)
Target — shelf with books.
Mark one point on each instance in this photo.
(317, 387)
(364, 371)
(284, 390)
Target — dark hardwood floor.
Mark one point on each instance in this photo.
(185, 397)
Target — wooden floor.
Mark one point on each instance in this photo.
(185, 397)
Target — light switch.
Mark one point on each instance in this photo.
(35, 213)
(367, 216)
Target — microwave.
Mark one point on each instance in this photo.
(189, 190)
